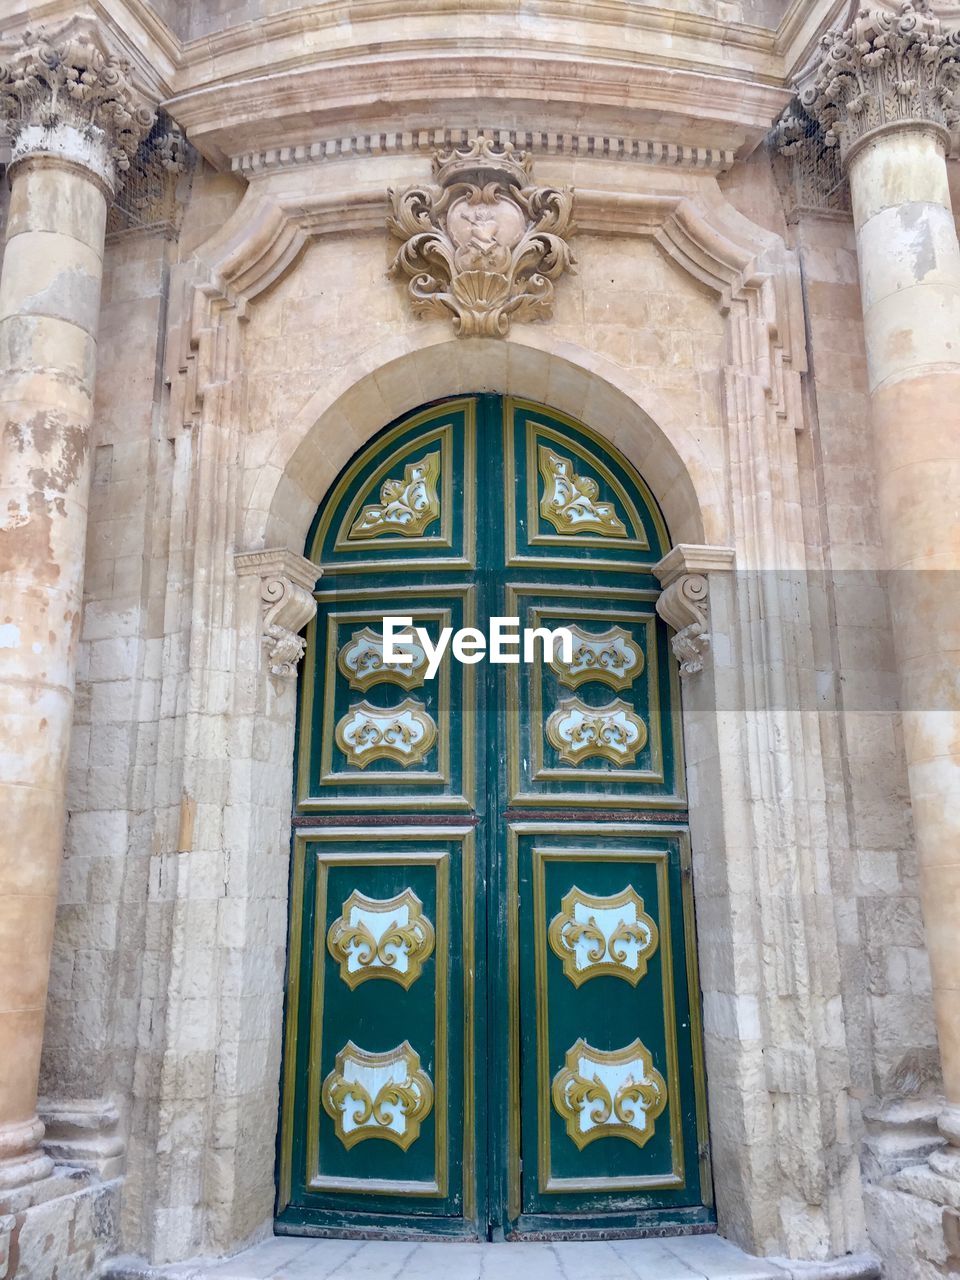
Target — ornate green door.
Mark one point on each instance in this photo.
(492, 1018)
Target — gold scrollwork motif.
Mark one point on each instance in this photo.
(361, 663)
(609, 1095)
(404, 734)
(596, 936)
(381, 938)
(406, 507)
(613, 657)
(614, 732)
(377, 1095)
(569, 501)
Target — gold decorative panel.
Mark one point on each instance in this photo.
(596, 936)
(614, 732)
(404, 733)
(377, 1095)
(361, 663)
(612, 657)
(381, 938)
(406, 507)
(606, 1095)
(569, 501)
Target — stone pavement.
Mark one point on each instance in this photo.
(679, 1258)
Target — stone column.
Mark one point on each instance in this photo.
(882, 91)
(75, 122)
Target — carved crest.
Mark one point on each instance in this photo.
(482, 245)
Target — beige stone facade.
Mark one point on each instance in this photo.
(196, 337)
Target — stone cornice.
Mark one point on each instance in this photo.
(423, 141)
(586, 96)
(347, 69)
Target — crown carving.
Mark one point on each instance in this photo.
(69, 77)
(884, 69)
(482, 245)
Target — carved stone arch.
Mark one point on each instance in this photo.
(342, 415)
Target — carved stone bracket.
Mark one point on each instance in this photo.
(684, 600)
(482, 246)
(286, 589)
(885, 69)
(64, 91)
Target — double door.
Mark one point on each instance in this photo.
(492, 1016)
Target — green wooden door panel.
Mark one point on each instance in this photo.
(492, 1015)
(378, 1106)
(601, 730)
(348, 756)
(605, 997)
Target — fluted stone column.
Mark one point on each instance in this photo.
(75, 119)
(883, 92)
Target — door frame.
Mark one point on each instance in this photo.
(493, 1213)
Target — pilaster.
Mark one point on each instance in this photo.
(883, 94)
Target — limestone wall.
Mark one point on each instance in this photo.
(166, 991)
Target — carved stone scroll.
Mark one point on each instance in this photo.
(884, 69)
(286, 589)
(684, 599)
(64, 87)
(482, 245)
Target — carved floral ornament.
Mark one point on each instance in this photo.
(68, 77)
(381, 938)
(883, 69)
(482, 245)
(377, 1095)
(603, 1094)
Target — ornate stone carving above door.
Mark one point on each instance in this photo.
(482, 245)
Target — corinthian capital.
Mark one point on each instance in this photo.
(64, 91)
(885, 69)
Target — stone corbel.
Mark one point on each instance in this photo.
(286, 589)
(683, 603)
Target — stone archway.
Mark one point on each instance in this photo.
(338, 419)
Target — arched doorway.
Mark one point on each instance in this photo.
(492, 1009)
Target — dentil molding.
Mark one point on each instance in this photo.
(683, 603)
(593, 146)
(286, 590)
(63, 91)
(482, 245)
